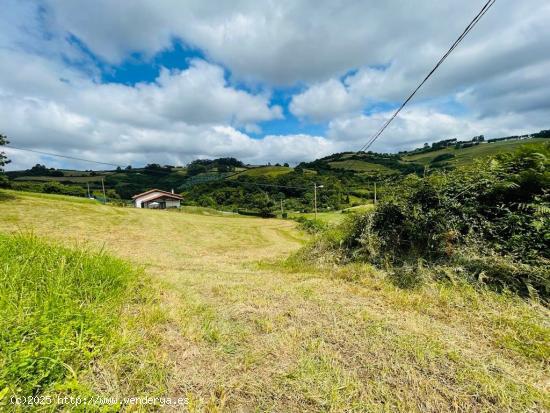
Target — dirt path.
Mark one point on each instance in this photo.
(240, 336)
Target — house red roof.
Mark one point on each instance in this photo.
(163, 193)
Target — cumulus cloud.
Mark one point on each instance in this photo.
(302, 40)
(48, 126)
(196, 95)
(490, 63)
(419, 124)
(347, 59)
(324, 101)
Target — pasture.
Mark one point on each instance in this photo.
(224, 319)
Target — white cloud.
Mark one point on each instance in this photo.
(197, 95)
(52, 97)
(53, 127)
(417, 125)
(302, 40)
(324, 101)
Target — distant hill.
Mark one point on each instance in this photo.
(228, 183)
(378, 165)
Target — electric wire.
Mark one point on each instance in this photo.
(467, 30)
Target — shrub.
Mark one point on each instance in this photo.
(310, 225)
(262, 214)
(442, 157)
(491, 218)
(4, 182)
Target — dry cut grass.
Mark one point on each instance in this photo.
(236, 330)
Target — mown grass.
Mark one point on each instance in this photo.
(234, 335)
(205, 211)
(53, 197)
(63, 315)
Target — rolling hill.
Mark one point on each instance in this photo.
(227, 183)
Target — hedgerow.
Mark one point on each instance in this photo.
(490, 219)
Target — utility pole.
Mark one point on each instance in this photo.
(375, 192)
(103, 186)
(315, 197)
(88, 185)
(282, 212)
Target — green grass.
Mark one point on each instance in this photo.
(467, 155)
(204, 211)
(52, 197)
(360, 166)
(269, 171)
(326, 217)
(59, 307)
(74, 322)
(235, 327)
(360, 208)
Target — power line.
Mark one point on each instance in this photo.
(61, 156)
(112, 164)
(467, 30)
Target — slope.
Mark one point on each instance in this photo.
(241, 331)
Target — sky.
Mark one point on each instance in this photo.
(132, 82)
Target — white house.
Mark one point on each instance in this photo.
(155, 198)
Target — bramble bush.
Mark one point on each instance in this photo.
(490, 219)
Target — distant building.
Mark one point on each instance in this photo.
(157, 199)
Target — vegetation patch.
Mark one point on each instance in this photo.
(488, 222)
(60, 308)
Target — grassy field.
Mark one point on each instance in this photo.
(67, 314)
(237, 328)
(269, 171)
(467, 155)
(360, 166)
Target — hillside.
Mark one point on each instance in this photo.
(462, 156)
(226, 183)
(380, 165)
(233, 327)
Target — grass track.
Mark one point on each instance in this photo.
(238, 331)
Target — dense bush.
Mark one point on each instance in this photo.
(312, 226)
(50, 187)
(442, 157)
(491, 218)
(262, 214)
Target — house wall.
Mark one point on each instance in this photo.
(170, 203)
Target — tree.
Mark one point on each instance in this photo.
(3, 158)
(195, 168)
(3, 161)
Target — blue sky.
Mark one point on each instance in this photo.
(137, 82)
(138, 68)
